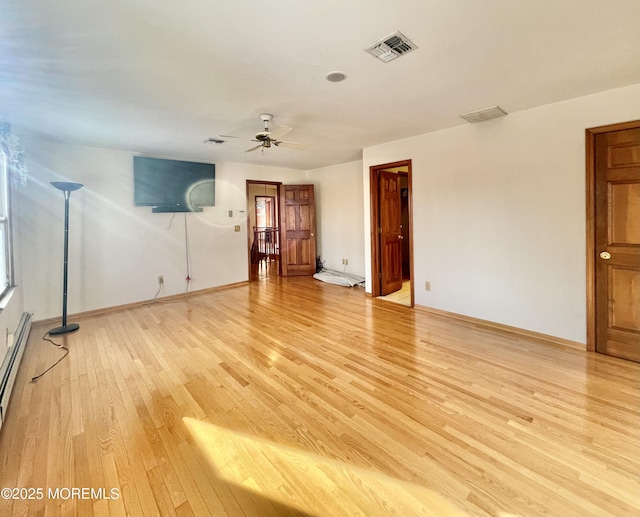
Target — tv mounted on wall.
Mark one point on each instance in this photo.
(173, 185)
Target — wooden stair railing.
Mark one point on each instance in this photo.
(265, 245)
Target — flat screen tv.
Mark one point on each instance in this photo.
(173, 185)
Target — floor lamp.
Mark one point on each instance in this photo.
(67, 188)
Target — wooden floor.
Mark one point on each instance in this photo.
(402, 296)
(297, 397)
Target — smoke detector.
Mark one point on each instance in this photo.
(390, 47)
(484, 114)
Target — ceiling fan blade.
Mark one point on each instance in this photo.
(253, 148)
(240, 138)
(279, 132)
(291, 145)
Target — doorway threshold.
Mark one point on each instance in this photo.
(402, 296)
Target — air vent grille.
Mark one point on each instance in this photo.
(484, 114)
(391, 47)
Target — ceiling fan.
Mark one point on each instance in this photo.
(268, 138)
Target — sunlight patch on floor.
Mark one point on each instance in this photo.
(309, 483)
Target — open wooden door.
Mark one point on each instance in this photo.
(617, 243)
(386, 182)
(298, 249)
(390, 233)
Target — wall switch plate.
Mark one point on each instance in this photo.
(236, 228)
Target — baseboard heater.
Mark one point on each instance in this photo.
(11, 362)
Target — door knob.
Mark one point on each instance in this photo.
(605, 255)
(400, 236)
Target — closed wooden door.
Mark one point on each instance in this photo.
(298, 252)
(617, 243)
(390, 233)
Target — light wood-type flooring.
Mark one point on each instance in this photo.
(402, 296)
(297, 397)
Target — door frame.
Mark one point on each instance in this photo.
(590, 135)
(278, 185)
(273, 207)
(374, 199)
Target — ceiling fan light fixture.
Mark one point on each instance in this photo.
(336, 77)
(267, 137)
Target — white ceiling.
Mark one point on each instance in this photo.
(158, 76)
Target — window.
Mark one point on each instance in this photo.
(6, 269)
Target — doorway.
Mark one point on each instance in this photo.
(265, 211)
(613, 240)
(263, 229)
(390, 188)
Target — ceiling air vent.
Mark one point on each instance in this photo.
(484, 114)
(391, 47)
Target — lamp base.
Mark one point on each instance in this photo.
(64, 329)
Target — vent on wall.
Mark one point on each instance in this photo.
(484, 114)
(391, 47)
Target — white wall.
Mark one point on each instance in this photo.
(499, 213)
(117, 250)
(339, 221)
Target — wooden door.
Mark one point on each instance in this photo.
(617, 243)
(390, 233)
(298, 252)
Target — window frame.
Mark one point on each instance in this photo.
(6, 243)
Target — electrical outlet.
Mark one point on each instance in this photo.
(427, 286)
(345, 262)
(160, 280)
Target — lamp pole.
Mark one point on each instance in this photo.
(66, 188)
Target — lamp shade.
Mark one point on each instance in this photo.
(66, 185)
